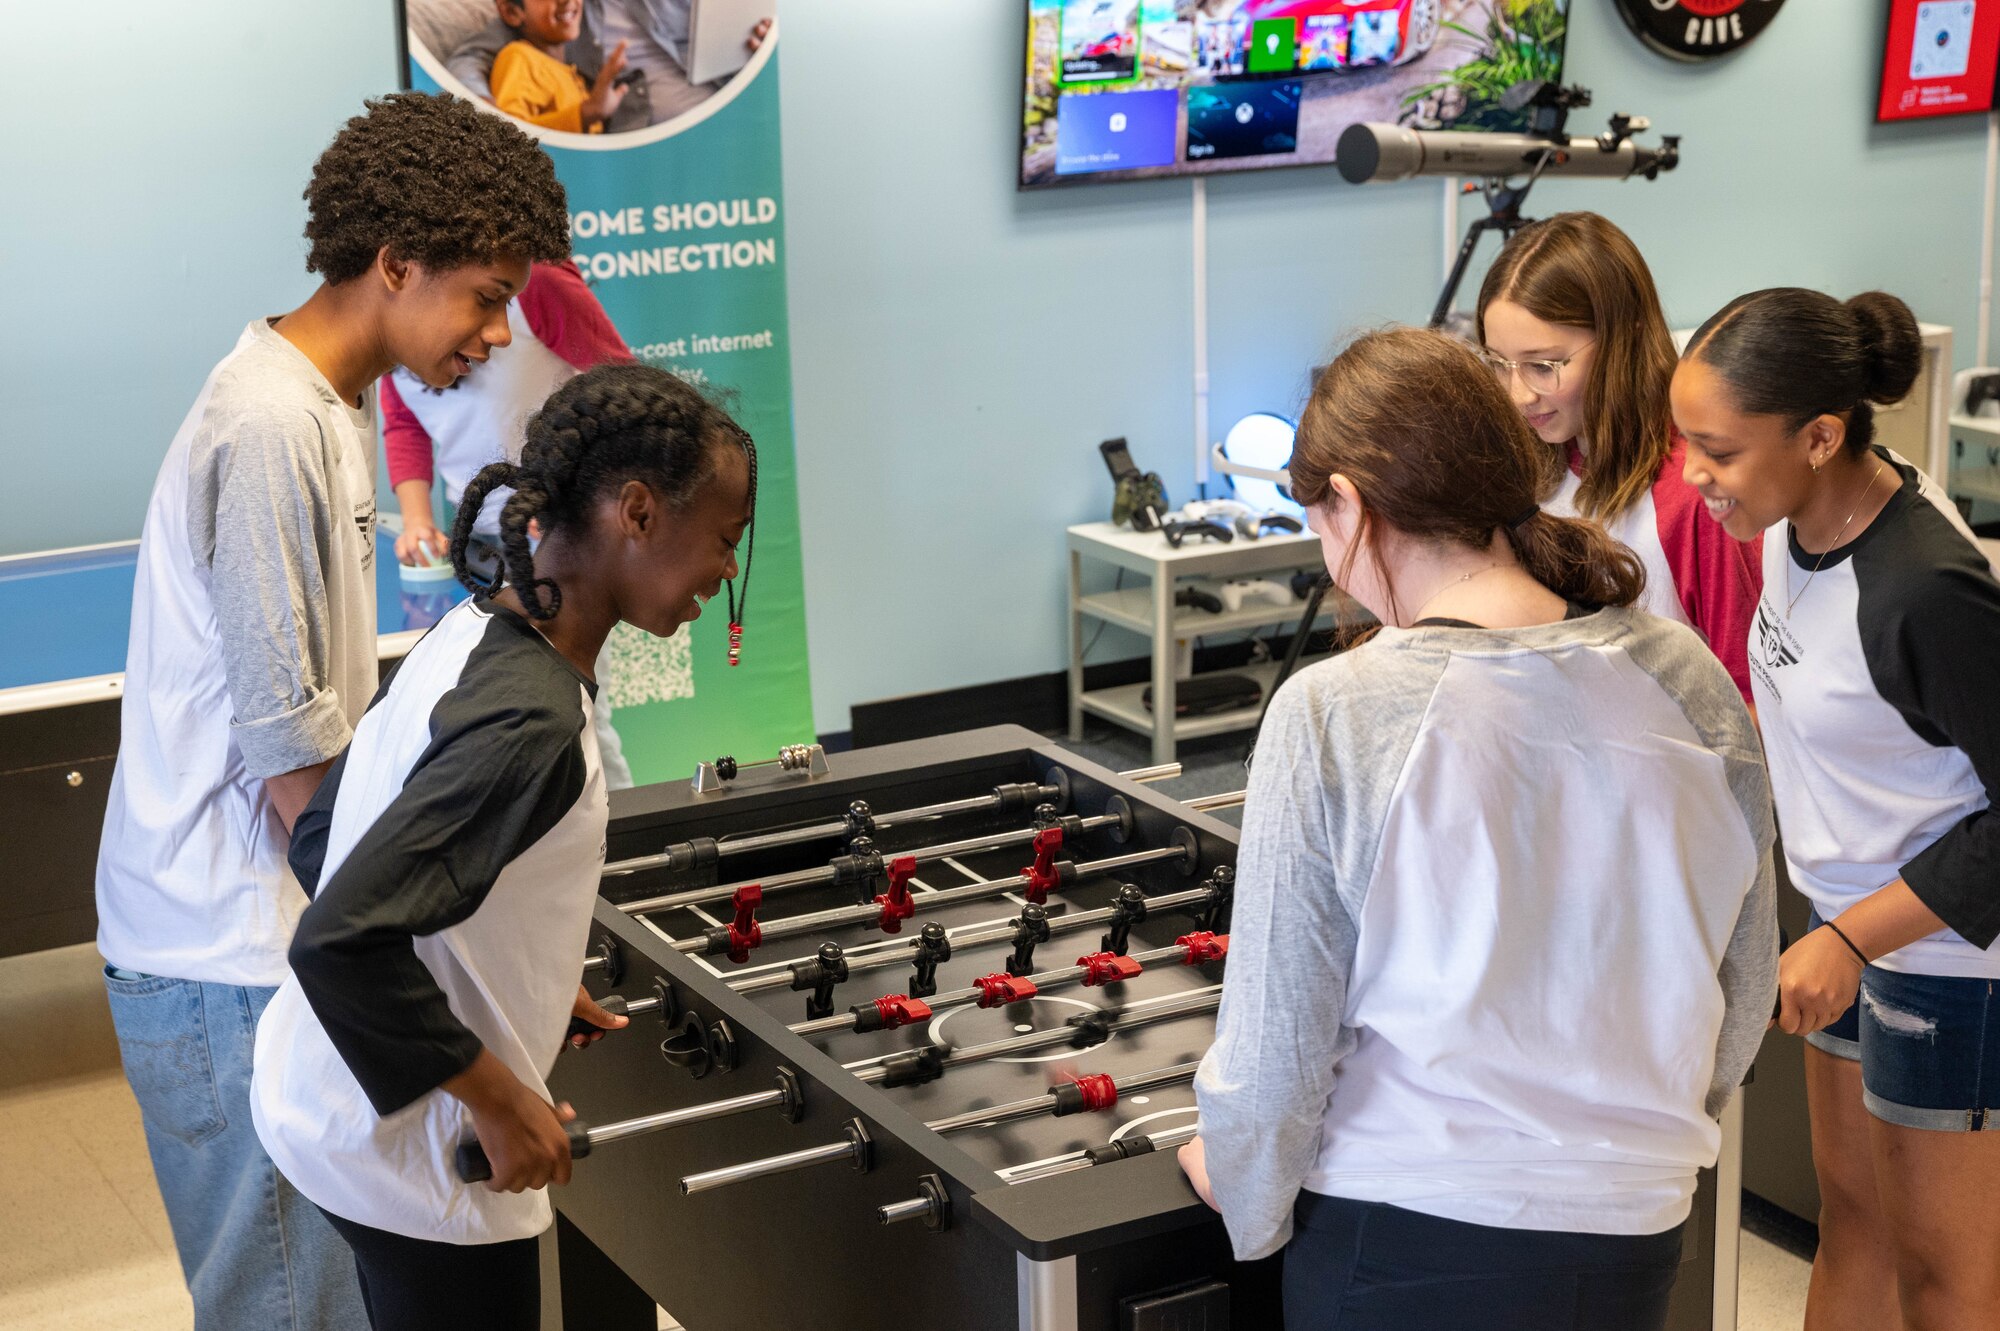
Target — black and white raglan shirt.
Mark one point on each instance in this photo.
(1878, 688)
(453, 854)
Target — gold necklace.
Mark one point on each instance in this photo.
(1873, 477)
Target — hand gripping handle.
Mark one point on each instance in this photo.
(474, 1167)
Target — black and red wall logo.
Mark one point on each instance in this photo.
(1698, 29)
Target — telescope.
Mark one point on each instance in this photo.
(1377, 152)
(1507, 164)
(1370, 152)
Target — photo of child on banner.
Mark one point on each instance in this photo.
(584, 66)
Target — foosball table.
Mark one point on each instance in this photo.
(913, 1034)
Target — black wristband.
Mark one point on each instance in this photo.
(1859, 955)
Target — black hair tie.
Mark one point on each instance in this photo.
(1526, 515)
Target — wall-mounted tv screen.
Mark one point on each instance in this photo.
(1125, 89)
(1940, 58)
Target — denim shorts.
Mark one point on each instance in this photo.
(1929, 1049)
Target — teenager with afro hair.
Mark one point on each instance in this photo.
(252, 657)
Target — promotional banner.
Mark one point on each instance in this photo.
(676, 211)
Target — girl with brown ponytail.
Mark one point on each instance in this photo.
(1571, 325)
(1476, 1036)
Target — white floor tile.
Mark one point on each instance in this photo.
(1771, 1287)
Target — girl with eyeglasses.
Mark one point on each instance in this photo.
(1571, 324)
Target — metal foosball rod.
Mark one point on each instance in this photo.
(1232, 799)
(933, 1204)
(1122, 1149)
(799, 972)
(912, 1067)
(889, 909)
(856, 1149)
(1000, 989)
(1085, 1095)
(909, 1067)
(865, 864)
(787, 1098)
(860, 820)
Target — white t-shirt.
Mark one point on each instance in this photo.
(252, 653)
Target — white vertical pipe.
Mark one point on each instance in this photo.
(1983, 340)
(1728, 1217)
(1200, 331)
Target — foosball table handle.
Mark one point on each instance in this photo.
(474, 1167)
(614, 1004)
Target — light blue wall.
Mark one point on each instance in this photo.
(959, 349)
(150, 171)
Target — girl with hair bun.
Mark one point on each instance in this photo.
(1571, 324)
(1875, 657)
(453, 855)
(1474, 1042)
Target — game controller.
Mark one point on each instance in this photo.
(1981, 390)
(1197, 599)
(1179, 529)
(1247, 522)
(1239, 592)
(1252, 528)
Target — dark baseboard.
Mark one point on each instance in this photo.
(1774, 1224)
(1039, 702)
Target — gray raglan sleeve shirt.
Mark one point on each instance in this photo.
(260, 520)
(1311, 822)
(1328, 760)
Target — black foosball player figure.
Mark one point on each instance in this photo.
(819, 976)
(1031, 929)
(933, 948)
(1127, 909)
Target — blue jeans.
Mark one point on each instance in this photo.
(257, 1255)
(1369, 1266)
(1928, 1045)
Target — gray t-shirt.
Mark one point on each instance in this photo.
(252, 653)
(1504, 940)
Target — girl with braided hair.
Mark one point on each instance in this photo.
(454, 852)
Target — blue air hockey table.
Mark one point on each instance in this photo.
(62, 660)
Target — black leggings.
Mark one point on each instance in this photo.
(423, 1285)
(1368, 1266)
